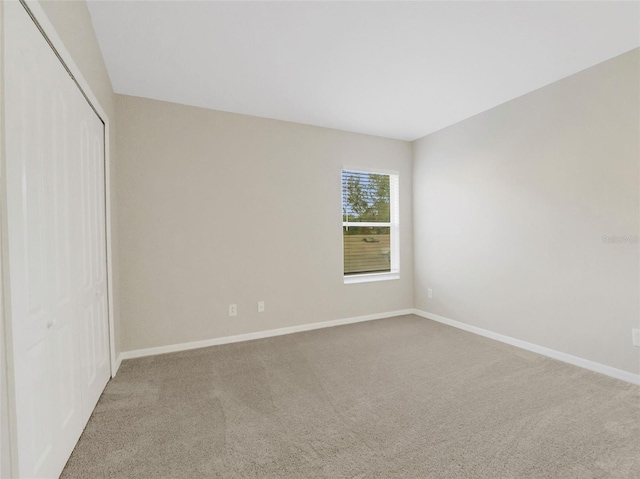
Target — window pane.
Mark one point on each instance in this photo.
(366, 250)
(365, 197)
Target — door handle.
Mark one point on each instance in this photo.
(51, 323)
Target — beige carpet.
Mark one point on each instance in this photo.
(396, 398)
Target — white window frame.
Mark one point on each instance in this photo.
(393, 224)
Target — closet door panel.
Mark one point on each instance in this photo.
(55, 204)
(65, 332)
(94, 320)
(31, 243)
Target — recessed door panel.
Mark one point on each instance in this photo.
(67, 386)
(34, 189)
(61, 195)
(40, 418)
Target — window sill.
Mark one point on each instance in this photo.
(368, 278)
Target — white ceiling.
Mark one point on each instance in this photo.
(394, 69)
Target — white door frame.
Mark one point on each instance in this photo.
(46, 27)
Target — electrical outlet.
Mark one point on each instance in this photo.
(260, 306)
(429, 293)
(233, 310)
(636, 336)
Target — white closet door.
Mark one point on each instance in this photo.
(91, 252)
(55, 204)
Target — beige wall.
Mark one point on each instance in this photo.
(511, 207)
(510, 211)
(72, 22)
(219, 208)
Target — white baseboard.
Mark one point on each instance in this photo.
(172, 348)
(117, 365)
(552, 353)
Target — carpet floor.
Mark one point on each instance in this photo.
(402, 397)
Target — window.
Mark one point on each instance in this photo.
(370, 230)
